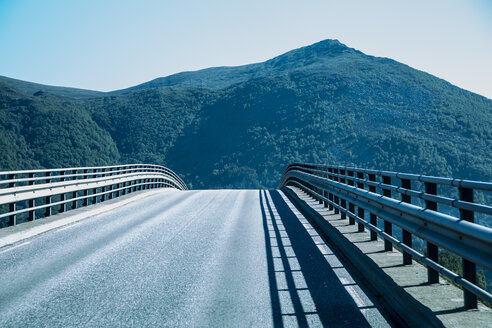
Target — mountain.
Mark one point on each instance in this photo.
(318, 57)
(238, 127)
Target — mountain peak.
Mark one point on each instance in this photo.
(308, 55)
(332, 46)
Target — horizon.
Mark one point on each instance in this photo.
(111, 54)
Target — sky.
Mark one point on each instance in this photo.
(113, 44)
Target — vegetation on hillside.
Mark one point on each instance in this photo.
(239, 127)
(47, 131)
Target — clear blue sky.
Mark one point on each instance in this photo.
(113, 44)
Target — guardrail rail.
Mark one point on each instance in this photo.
(440, 211)
(30, 194)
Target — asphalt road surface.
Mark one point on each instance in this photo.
(218, 258)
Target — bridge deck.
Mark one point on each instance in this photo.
(224, 258)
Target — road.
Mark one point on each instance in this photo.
(213, 258)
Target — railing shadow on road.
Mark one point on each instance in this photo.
(309, 286)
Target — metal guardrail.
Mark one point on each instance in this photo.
(389, 196)
(29, 192)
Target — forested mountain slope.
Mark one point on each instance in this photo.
(239, 127)
(48, 131)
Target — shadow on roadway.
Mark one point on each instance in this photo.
(308, 284)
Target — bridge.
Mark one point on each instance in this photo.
(334, 246)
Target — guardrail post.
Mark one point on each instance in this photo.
(12, 206)
(116, 192)
(119, 185)
(351, 206)
(123, 184)
(337, 200)
(32, 202)
(325, 193)
(103, 189)
(311, 189)
(74, 194)
(360, 210)
(139, 181)
(388, 227)
(139, 185)
(330, 195)
(94, 190)
(469, 268)
(343, 201)
(63, 206)
(373, 217)
(49, 210)
(406, 236)
(110, 187)
(432, 250)
(86, 191)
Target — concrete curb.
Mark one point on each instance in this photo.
(399, 304)
(31, 229)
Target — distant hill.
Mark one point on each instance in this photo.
(238, 127)
(32, 88)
